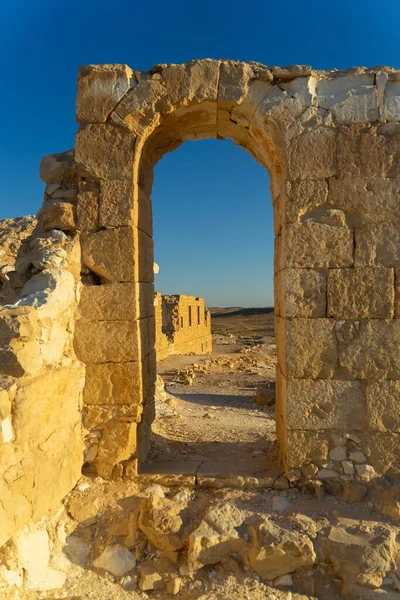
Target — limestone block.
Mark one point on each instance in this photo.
(147, 335)
(383, 451)
(326, 404)
(18, 357)
(110, 253)
(142, 105)
(366, 199)
(145, 213)
(392, 101)
(217, 536)
(312, 155)
(234, 78)
(305, 447)
(302, 88)
(377, 244)
(18, 322)
(113, 383)
(116, 203)
(397, 293)
(316, 245)
(383, 401)
(350, 98)
(33, 556)
(57, 215)
(361, 293)
(8, 388)
(100, 88)
(160, 521)
(34, 417)
(275, 551)
(105, 151)
(305, 196)
(311, 348)
(355, 553)
(360, 153)
(300, 293)
(87, 209)
(193, 82)
(98, 415)
(117, 443)
(146, 299)
(58, 168)
(372, 352)
(146, 257)
(106, 341)
(110, 302)
(115, 559)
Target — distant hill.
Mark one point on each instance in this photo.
(257, 321)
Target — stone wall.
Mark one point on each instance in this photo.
(41, 381)
(183, 325)
(331, 144)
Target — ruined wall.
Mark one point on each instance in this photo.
(183, 325)
(331, 144)
(41, 381)
(13, 232)
(330, 141)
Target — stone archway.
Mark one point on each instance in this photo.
(332, 167)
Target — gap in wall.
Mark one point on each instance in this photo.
(214, 239)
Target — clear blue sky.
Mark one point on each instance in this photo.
(212, 189)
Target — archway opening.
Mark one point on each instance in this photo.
(214, 315)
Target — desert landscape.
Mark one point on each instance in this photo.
(151, 447)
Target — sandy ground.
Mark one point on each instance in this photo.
(213, 426)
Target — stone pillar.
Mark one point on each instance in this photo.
(114, 338)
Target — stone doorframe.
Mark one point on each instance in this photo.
(330, 142)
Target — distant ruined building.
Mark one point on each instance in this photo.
(183, 325)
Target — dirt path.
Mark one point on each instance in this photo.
(207, 422)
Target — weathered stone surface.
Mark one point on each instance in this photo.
(113, 383)
(58, 168)
(366, 199)
(116, 203)
(216, 537)
(371, 354)
(383, 451)
(117, 443)
(305, 196)
(105, 151)
(383, 402)
(360, 551)
(326, 404)
(100, 88)
(377, 244)
(311, 347)
(300, 293)
(392, 101)
(18, 357)
(350, 98)
(275, 551)
(112, 302)
(57, 215)
(363, 154)
(313, 244)
(361, 293)
(160, 521)
(115, 559)
(83, 510)
(312, 155)
(110, 253)
(306, 447)
(87, 209)
(97, 416)
(106, 341)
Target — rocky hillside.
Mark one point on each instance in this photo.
(12, 233)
